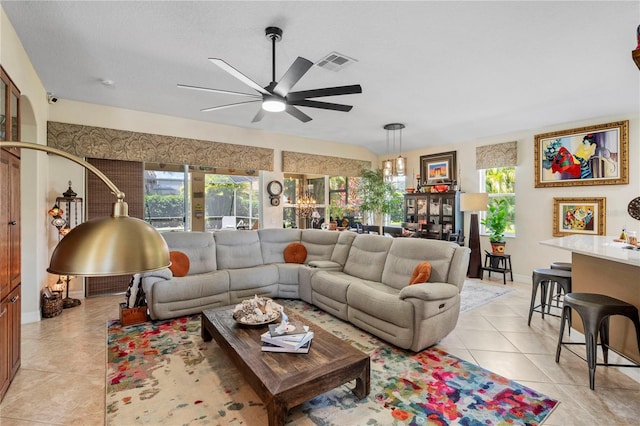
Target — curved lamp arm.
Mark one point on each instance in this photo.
(115, 245)
(28, 145)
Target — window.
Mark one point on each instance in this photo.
(165, 206)
(231, 201)
(343, 201)
(500, 182)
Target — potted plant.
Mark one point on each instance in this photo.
(376, 195)
(496, 223)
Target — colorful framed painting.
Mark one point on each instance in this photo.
(579, 216)
(594, 155)
(438, 168)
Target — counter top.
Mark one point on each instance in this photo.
(597, 246)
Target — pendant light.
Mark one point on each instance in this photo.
(387, 169)
(400, 161)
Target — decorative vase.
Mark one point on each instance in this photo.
(498, 247)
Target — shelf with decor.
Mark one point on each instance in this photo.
(434, 215)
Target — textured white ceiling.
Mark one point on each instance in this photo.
(450, 71)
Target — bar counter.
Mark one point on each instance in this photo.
(601, 265)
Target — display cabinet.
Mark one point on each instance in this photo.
(434, 215)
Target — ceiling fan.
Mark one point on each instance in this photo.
(277, 97)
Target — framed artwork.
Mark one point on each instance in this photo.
(438, 168)
(578, 216)
(594, 155)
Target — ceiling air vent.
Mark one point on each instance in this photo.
(335, 61)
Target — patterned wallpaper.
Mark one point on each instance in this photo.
(99, 142)
(298, 162)
(498, 155)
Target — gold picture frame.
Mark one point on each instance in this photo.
(593, 155)
(579, 216)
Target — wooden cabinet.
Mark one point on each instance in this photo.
(10, 279)
(435, 215)
(9, 268)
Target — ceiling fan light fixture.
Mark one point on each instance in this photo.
(273, 104)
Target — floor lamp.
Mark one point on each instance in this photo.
(115, 245)
(474, 203)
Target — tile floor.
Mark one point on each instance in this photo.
(61, 381)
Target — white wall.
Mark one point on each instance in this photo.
(534, 206)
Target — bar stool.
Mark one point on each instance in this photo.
(565, 266)
(542, 278)
(553, 295)
(595, 310)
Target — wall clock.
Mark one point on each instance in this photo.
(274, 188)
(634, 208)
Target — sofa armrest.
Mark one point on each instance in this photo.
(429, 291)
(325, 265)
(165, 274)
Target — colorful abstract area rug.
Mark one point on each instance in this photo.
(164, 373)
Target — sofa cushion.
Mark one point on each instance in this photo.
(274, 241)
(200, 247)
(179, 263)
(421, 273)
(406, 253)
(295, 253)
(319, 244)
(367, 257)
(238, 249)
(343, 245)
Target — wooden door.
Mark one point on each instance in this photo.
(14, 311)
(14, 223)
(4, 224)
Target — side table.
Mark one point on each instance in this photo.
(500, 263)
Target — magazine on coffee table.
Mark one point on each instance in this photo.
(268, 347)
(289, 342)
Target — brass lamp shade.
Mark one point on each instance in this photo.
(116, 245)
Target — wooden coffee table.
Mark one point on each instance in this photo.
(284, 380)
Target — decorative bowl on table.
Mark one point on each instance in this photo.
(256, 311)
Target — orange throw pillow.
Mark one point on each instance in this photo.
(421, 273)
(179, 263)
(295, 253)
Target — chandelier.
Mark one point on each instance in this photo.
(306, 204)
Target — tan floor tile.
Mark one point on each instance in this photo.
(532, 342)
(485, 340)
(473, 322)
(514, 366)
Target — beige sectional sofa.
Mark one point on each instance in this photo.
(360, 278)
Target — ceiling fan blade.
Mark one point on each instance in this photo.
(327, 91)
(295, 72)
(237, 74)
(229, 105)
(226, 92)
(297, 113)
(323, 105)
(258, 116)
